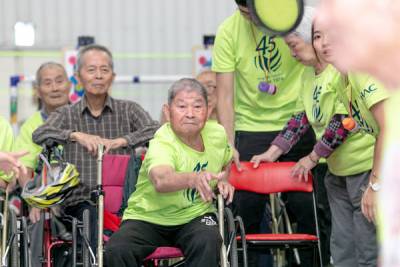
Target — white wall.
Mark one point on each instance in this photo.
(146, 36)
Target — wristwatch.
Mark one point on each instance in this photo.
(375, 186)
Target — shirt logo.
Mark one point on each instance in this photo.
(268, 55)
(367, 91)
(361, 121)
(191, 193)
(316, 108)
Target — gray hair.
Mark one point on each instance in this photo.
(186, 84)
(49, 64)
(93, 47)
(304, 30)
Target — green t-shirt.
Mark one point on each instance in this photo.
(24, 140)
(364, 92)
(180, 207)
(392, 125)
(6, 142)
(320, 101)
(387, 211)
(235, 50)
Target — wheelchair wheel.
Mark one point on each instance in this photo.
(86, 235)
(230, 238)
(25, 245)
(14, 249)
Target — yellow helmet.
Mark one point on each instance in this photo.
(52, 185)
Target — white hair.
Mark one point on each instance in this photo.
(305, 27)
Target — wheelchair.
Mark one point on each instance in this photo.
(112, 182)
(14, 233)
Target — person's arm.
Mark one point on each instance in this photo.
(165, 179)
(143, 126)
(335, 134)
(368, 205)
(225, 109)
(224, 187)
(295, 128)
(226, 112)
(54, 128)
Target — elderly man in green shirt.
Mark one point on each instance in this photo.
(52, 87)
(172, 204)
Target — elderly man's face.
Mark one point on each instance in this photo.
(53, 88)
(96, 74)
(188, 113)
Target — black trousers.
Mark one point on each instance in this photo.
(251, 206)
(199, 241)
(323, 212)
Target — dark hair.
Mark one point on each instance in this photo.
(94, 47)
(241, 2)
(312, 41)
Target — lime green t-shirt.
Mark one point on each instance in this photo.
(320, 101)
(6, 142)
(180, 207)
(387, 228)
(364, 92)
(236, 50)
(392, 125)
(24, 140)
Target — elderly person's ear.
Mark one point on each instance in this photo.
(165, 111)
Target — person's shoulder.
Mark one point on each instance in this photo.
(31, 123)
(164, 137)
(122, 103)
(308, 73)
(230, 22)
(68, 107)
(165, 133)
(5, 124)
(214, 131)
(3, 121)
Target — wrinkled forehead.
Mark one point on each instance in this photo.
(96, 57)
(188, 96)
(52, 71)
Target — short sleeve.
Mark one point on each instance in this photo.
(223, 57)
(24, 142)
(160, 153)
(371, 91)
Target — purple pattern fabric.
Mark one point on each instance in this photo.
(295, 128)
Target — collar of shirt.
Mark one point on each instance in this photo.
(109, 103)
(44, 114)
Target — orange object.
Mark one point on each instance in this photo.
(349, 123)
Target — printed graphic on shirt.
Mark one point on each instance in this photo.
(268, 55)
(191, 193)
(316, 108)
(357, 116)
(366, 91)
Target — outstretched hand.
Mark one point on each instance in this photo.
(10, 163)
